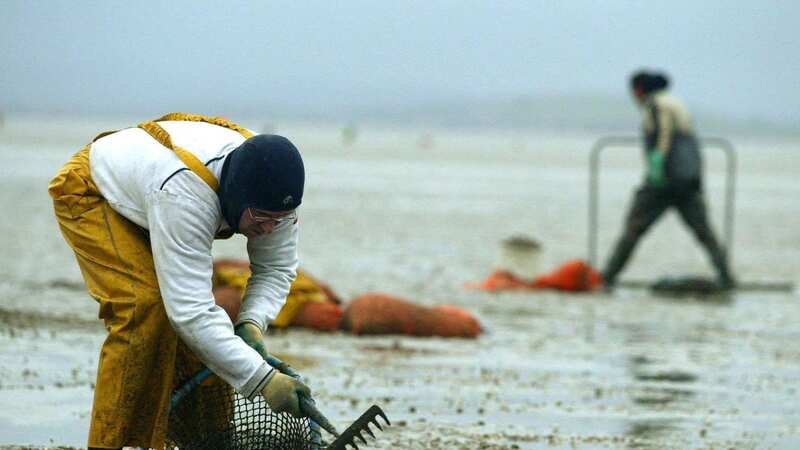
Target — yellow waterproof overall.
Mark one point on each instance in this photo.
(135, 375)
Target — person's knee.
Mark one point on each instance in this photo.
(704, 235)
(634, 229)
(628, 239)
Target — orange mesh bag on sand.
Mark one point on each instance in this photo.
(320, 316)
(378, 313)
(575, 276)
(310, 303)
(230, 299)
(500, 280)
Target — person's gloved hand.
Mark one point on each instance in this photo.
(282, 394)
(655, 168)
(252, 336)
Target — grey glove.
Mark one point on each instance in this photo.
(282, 394)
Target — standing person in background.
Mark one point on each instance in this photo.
(673, 178)
(141, 208)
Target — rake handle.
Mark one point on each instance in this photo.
(310, 410)
(307, 405)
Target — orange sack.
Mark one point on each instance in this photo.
(575, 275)
(230, 299)
(319, 316)
(378, 313)
(500, 280)
(310, 303)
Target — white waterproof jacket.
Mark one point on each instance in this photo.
(148, 184)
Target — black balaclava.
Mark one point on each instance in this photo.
(649, 82)
(265, 172)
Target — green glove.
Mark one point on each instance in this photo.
(655, 168)
(282, 394)
(252, 336)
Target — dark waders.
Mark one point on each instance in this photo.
(649, 204)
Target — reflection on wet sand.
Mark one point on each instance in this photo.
(654, 390)
(645, 432)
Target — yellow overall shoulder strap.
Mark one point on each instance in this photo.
(219, 121)
(186, 117)
(195, 165)
(103, 134)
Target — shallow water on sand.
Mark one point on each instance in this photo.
(621, 370)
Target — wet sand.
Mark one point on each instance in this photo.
(621, 370)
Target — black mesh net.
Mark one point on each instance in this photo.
(211, 416)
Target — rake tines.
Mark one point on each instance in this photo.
(361, 424)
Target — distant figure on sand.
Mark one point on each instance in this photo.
(673, 177)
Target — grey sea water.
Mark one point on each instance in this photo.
(417, 213)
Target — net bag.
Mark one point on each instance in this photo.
(212, 416)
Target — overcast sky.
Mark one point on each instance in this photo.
(738, 58)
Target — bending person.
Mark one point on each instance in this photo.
(673, 178)
(141, 208)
